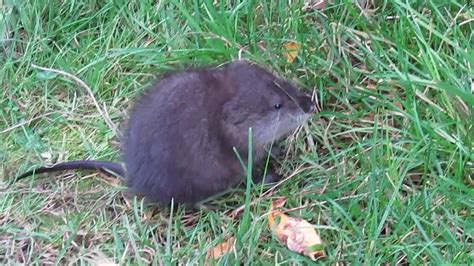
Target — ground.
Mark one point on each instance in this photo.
(384, 171)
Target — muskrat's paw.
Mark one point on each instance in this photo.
(276, 151)
(271, 177)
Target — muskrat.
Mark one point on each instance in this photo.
(183, 134)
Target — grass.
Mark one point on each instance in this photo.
(385, 171)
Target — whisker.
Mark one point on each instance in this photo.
(274, 127)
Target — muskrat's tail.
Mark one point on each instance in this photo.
(110, 167)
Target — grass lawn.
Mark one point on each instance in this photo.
(385, 171)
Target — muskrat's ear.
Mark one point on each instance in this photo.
(237, 65)
(242, 70)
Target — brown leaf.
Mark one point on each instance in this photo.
(398, 104)
(298, 234)
(221, 249)
(310, 5)
(292, 50)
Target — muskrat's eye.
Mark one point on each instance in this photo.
(277, 106)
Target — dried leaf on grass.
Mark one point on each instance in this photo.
(291, 51)
(221, 249)
(298, 234)
(310, 5)
(97, 258)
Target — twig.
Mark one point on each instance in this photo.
(25, 122)
(81, 83)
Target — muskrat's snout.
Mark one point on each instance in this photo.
(307, 104)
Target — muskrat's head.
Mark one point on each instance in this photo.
(272, 106)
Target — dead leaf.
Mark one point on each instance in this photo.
(98, 258)
(292, 50)
(298, 234)
(362, 3)
(262, 45)
(46, 155)
(221, 249)
(310, 5)
(398, 104)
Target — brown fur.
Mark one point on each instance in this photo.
(181, 134)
